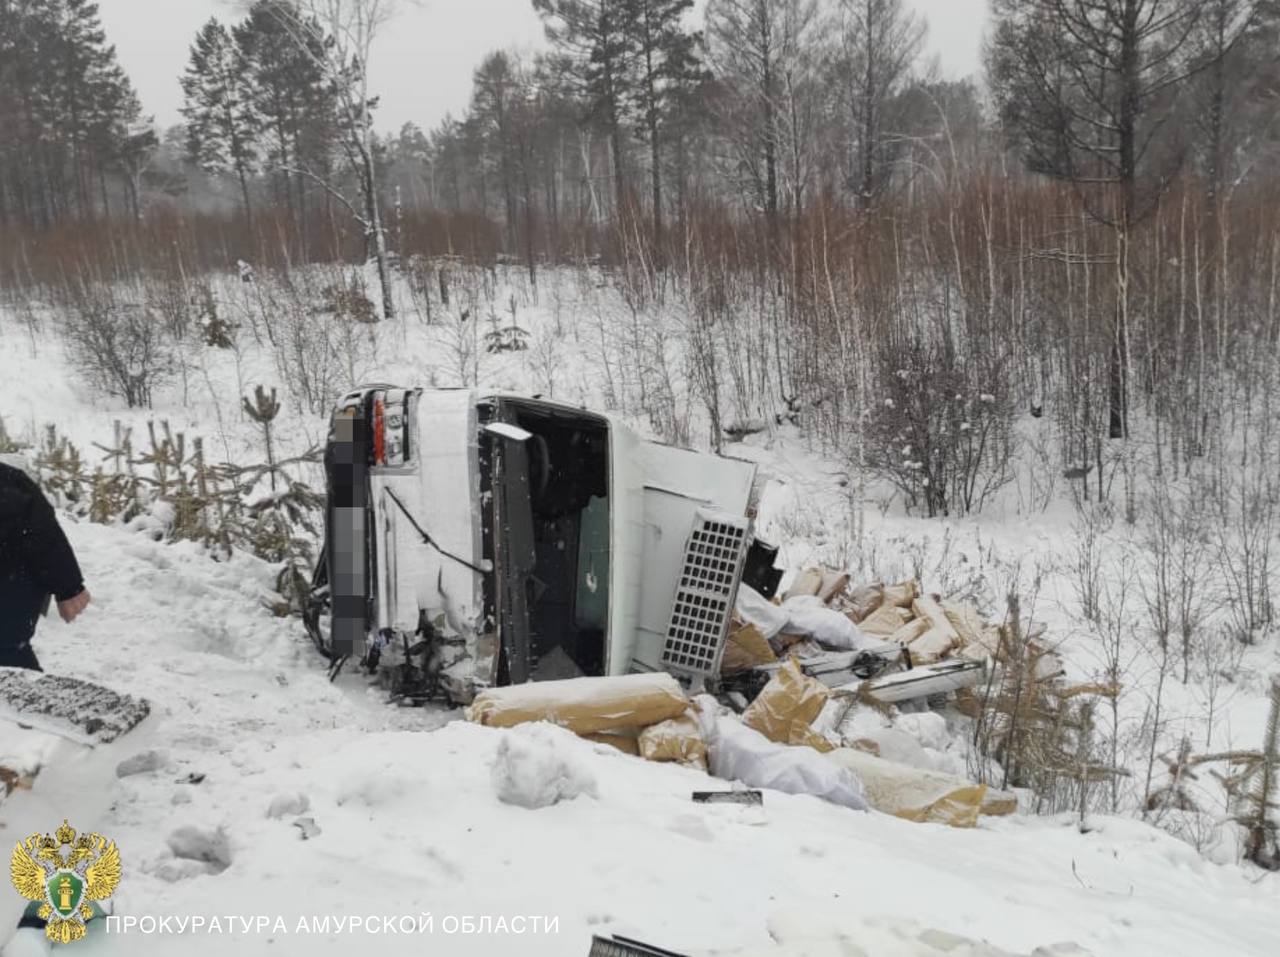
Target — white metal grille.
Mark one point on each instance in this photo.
(705, 593)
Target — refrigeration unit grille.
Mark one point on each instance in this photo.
(705, 593)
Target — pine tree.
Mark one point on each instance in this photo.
(82, 80)
(263, 410)
(595, 38)
(222, 125)
(62, 96)
(880, 40)
(762, 52)
(292, 102)
(497, 93)
(667, 68)
(133, 141)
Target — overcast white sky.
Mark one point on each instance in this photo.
(425, 56)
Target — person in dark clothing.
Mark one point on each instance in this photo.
(36, 562)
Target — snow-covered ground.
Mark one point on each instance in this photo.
(409, 822)
(399, 807)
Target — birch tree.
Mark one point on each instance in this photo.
(1085, 87)
(338, 37)
(593, 37)
(880, 41)
(761, 51)
(667, 67)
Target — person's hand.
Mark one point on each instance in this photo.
(71, 608)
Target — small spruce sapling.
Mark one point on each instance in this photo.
(263, 410)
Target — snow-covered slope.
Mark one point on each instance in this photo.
(409, 822)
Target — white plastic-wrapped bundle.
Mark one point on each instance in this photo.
(809, 615)
(737, 753)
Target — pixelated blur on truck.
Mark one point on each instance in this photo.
(477, 539)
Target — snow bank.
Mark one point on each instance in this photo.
(535, 766)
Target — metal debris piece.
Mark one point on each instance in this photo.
(749, 797)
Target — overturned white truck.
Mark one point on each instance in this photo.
(477, 539)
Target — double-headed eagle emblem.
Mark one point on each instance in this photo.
(64, 873)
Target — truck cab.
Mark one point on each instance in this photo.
(482, 538)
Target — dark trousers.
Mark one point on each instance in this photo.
(20, 606)
(22, 657)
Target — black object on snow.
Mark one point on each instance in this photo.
(753, 798)
(626, 947)
(758, 570)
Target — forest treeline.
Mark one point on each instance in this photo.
(1090, 225)
(640, 116)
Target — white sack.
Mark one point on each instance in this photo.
(809, 615)
(753, 608)
(738, 753)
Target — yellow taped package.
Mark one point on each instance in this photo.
(999, 803)
(884, 621)
(834, 585)
(911, 631)
(626, 740)
(930, 647)
(787, 706)
(808, 582)
(583, 705)
(914, 794)
(901, 594)
(678, 739)
(745, 648)
(863, 600)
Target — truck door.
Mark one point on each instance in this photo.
(511, 538)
